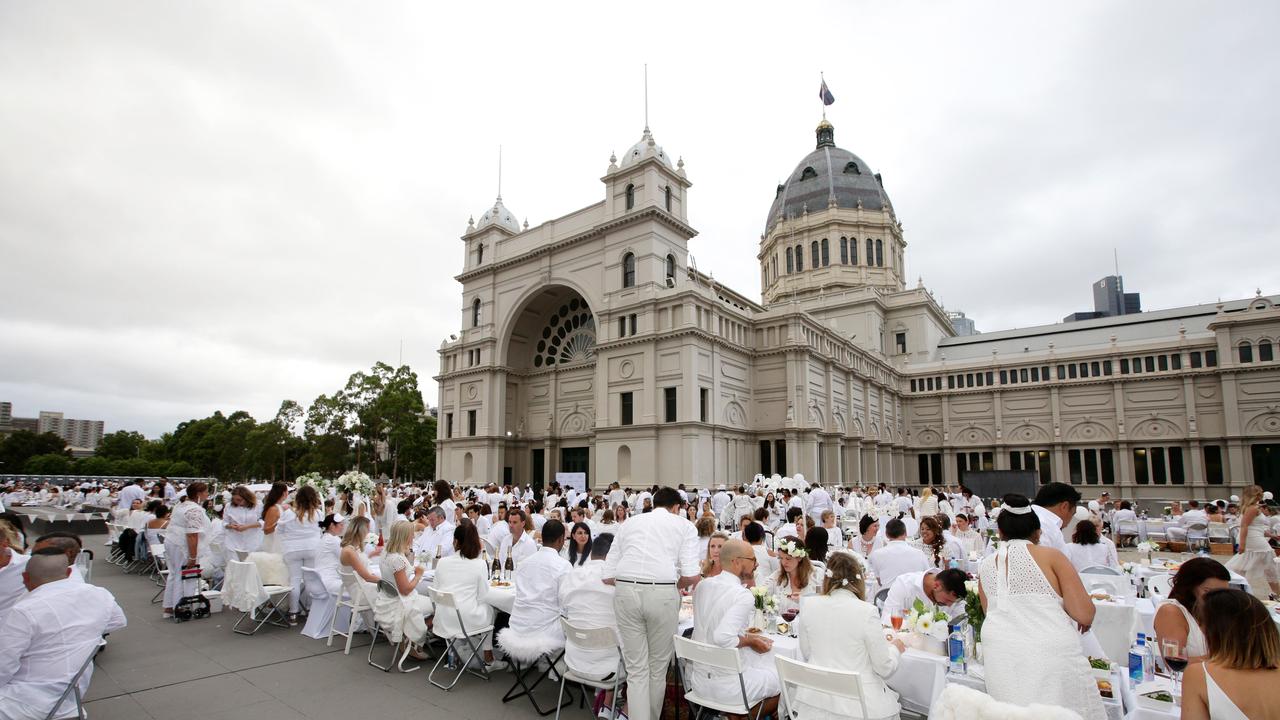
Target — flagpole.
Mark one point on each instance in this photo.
(820, 98)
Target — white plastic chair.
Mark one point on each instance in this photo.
(1100, 570)
(1115, 586)
(725, 659)
(836, 683)
(356, 602)
(324, 605)
(592, 639)
(1198, 535)
(1218, 532)
(472, 638)
(1160, 585)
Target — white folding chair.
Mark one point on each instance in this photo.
(324, 605)
(1100, 570)
(525, 654)
(835, 683)
(84, 561)
(724, 659)
(244, 591)
(73, 689)
(160, 569)
(1198, 535)
(1157, 531)
(1160, 585)
(1126, 532)
(473, 639)
(389, 590)
(880, 597)
(592, 639)
(1218, 532)
(354, 600)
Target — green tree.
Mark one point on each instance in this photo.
(92, 465)
(180, 469)
(121, 444)
(131, 467)
(48, 464)
(23, 445)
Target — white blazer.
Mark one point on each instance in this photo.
(841, 632)
(468, 580)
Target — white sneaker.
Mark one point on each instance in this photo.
(496, 666)
(605, 713)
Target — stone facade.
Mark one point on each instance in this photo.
(589, 344)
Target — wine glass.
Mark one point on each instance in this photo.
(1175, 656)
(896, 619)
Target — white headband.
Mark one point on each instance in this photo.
(1015, 510)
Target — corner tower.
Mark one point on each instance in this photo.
(831, 227)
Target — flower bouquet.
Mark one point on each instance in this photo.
(315, 480)
(1148, 547)
(355, 482)
(928, 627)
(973, 609)
(765, 602)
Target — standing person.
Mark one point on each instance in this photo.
(1055, 505)
(654, 555)
(1256, 560)
(300, 532)
(242, 521)
(819, 503)
(272, 506)
(1238, 680)
(188, 528)
(1034, 599)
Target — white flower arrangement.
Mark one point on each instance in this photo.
(315, 480)
(926, 622)
(793, 549)
(1127, 568)
(764, 600)
(1148, 546)
(355, 482)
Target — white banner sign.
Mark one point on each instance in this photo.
(572, 480)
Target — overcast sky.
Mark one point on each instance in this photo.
(218, 205)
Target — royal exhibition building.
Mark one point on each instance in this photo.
(589, 344)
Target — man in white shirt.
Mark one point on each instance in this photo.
(653, 555)
(903, 502)
(129, 493)
(536, 611)
(883, 498)
(12, 565)
(48, 635)
(1195, 515)
(587, 603)
(438, 534)
(897, 556)
(1055, 505)
(516, 544)
(722, 608)
(766, 564)
(719, 501)
(819, 502)
(934, 588)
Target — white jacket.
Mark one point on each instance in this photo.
(841, 632)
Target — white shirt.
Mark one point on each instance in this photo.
(537, 606)
(525, 547)
(894, 559)
(657, 546)
(429, 539)
(588, 604)
(1124, 515)
(1050, 530)
(719, 502)
(903, 593)
(298, 534)
(47, 636)
(1102, 553)
(129, 494)
(819, 502)
(721, 610)
(904, 504)
(11, 588)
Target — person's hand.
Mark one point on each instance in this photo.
(189, 563)
(899, 644)
(418, 570)
(759, 643)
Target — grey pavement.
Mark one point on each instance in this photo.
(159, 669)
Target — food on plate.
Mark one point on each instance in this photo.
(784, 627)
(1100, 596)
(1159, 696)
(754, 630)
(499, 583)
(1099, 663)
(1104, 689)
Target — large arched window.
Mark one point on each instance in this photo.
(1265, 353)
(814, 260)
(668, 198)
(879, 254)
(790, 265)
(631, 196)
(844, 251)
(671, 269)
(1246, 352)
(479, 253)
(628, 270)
(475, 313)
(799, 258)
(853, 251)
(871, 252)
(826, 253)
(775, 266)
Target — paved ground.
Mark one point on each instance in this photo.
(200, 669)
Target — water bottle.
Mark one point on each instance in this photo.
(1148, 663)
(954, 564)
(955, 648)
(1137, 660)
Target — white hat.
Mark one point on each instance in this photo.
(1236, 498)
(1094, 506)
(1267, 495)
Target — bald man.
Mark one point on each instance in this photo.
(67, 544)
(50, 633)
(722, 608)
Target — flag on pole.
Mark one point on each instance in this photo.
(825, 94)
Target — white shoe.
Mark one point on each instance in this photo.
(605, 713)
(496, 666)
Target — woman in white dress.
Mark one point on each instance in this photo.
(1175, 617)
(1256, 559)
(272, 506)
(299, 531)
(399, 568)
(1088, 548)
(1034, 600)
(242, 522)
(464, 574)
(328, 552)
(1240, 680)
(839, 630)
(795, 577)
(183, 539)
(868, 537)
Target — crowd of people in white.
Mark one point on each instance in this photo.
(839, 564)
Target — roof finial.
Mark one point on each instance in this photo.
(646, 98)
(499, 173)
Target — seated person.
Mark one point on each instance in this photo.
(67, 543)
(897, 556)
(766, 563)
(1175, 617)
(1239, 678)
(535, 615)
(48, 635)
(517, 543)
(587, 603)
(722, 607)
(795, 576)
(970, 539)
(1089, 549)
(835, 538)
(1124, 523)
(1193, 515)
(935, 588)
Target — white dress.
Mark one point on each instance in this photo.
(1221, 706)
(242, 541)
(1256, 560)
(1030, 645)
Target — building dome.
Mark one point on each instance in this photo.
(825, 174)
(499, 215)
(646, 148)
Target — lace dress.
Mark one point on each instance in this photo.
(1256, 560)
(1031, 648)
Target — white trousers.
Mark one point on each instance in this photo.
(295, 560)
(175, 556)
(647, 617)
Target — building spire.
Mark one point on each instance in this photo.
(499, 173)
(646, 98)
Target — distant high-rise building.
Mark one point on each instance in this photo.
(961, 324)
(79, 434)
(1109, 300)
(6, 415)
